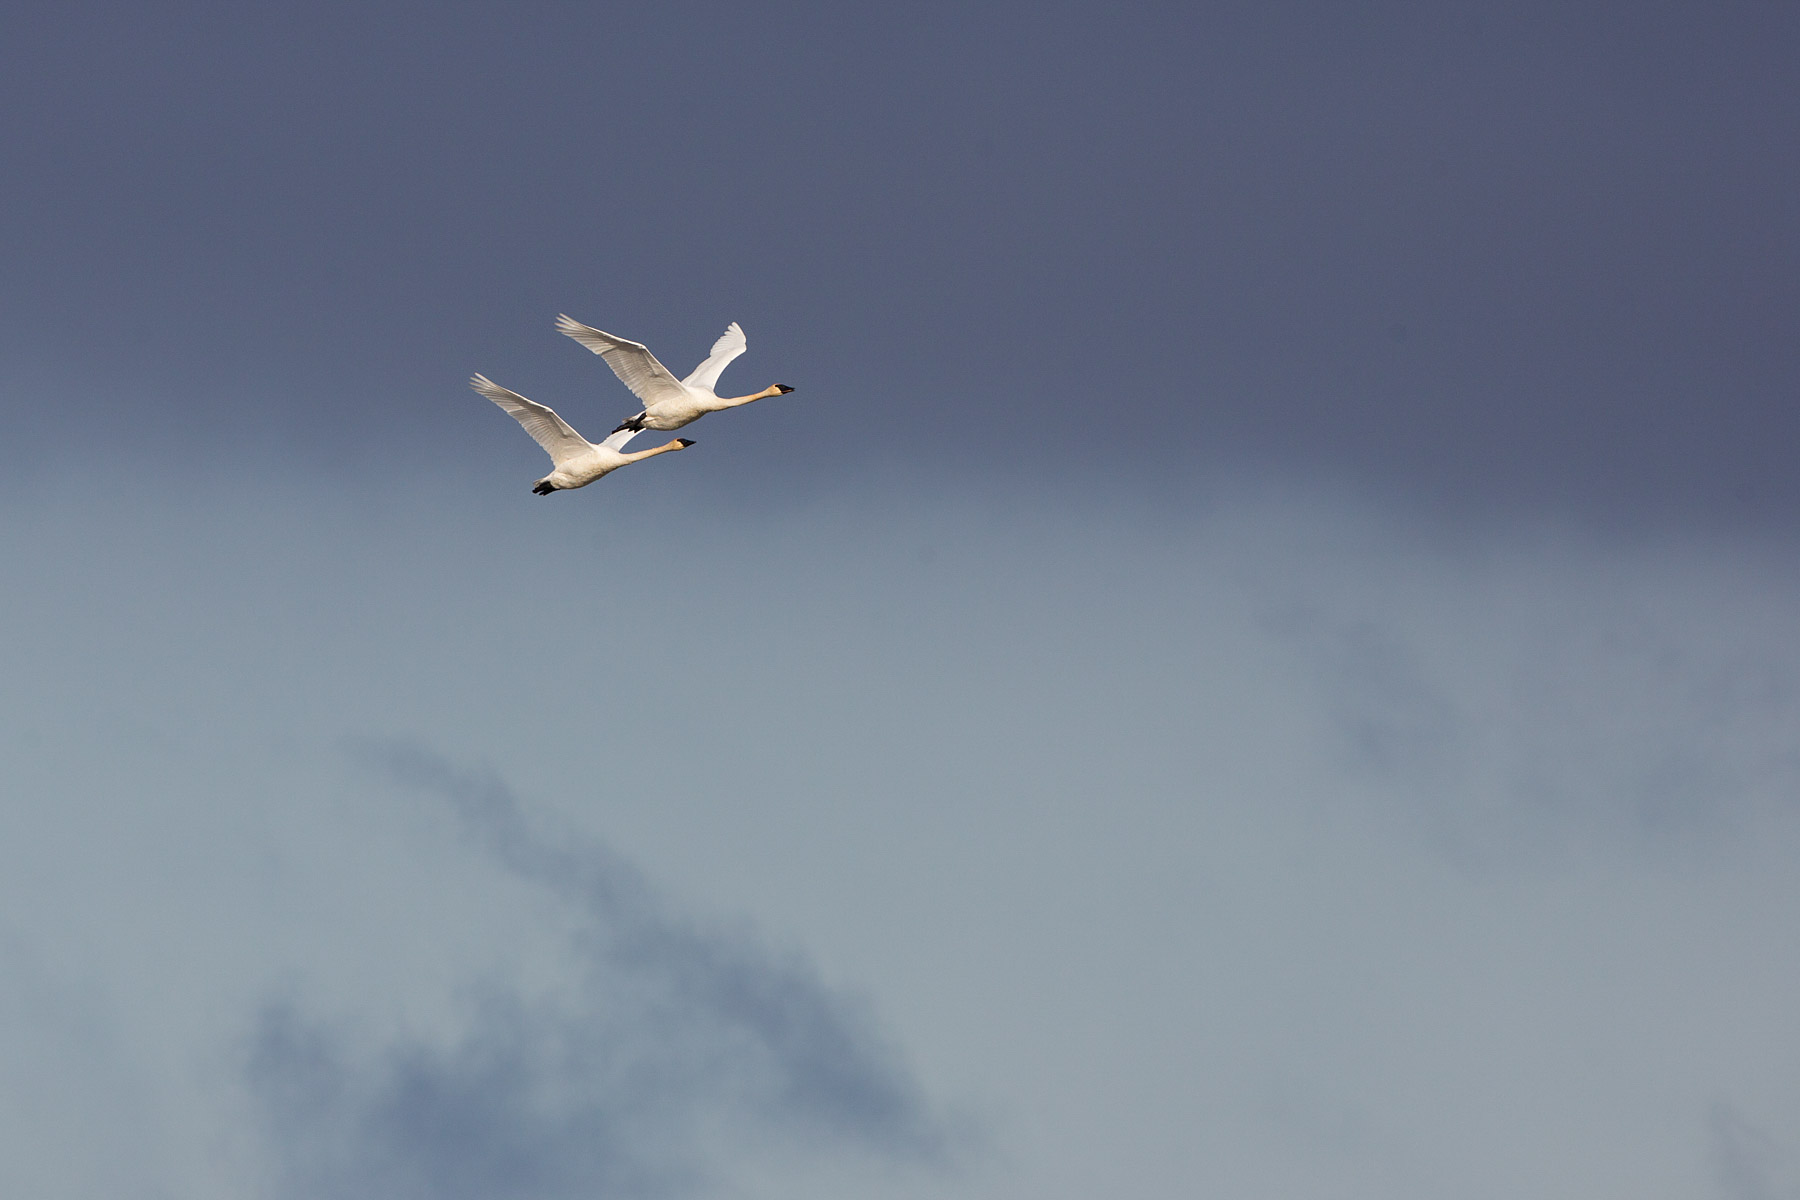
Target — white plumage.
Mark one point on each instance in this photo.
(577, 462)
(669, 403)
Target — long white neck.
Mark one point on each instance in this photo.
(734, 401)
(677, 444)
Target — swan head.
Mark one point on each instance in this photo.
(782, 389)
(681, 443)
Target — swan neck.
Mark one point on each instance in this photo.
(652, 452)
(735, 401)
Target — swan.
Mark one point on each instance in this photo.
(669, 403)
(577, 462)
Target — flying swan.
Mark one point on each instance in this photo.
(577, 461)
(669, 403)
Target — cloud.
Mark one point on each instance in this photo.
(1745, 1160)
(680, 1045)
(1517, 705)
(78, 1111)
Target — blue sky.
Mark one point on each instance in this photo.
(1258, 659)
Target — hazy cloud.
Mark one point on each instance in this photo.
(678, 1045)
(77, 1110)
(1746, 1161)
(1142, 882)
(1520, 705)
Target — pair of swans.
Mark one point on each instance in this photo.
(669, 403)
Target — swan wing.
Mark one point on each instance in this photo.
(540, 421)
(731, 344)
(616, 441)
(631, 361)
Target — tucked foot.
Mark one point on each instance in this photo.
(543, 487)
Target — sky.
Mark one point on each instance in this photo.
(1257, 660)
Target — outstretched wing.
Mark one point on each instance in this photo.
(728, 347)
(632, 362)
(540, 421)
(617, 439)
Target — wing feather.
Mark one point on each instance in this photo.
(540, 421)
(731, 344)
(632, 362)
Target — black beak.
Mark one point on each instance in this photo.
(783, 388)
(685, 442)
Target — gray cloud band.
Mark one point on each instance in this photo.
(680, 1045)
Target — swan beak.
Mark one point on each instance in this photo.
(783, 388)
(685, 442)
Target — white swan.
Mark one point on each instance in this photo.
(669, 403)
(577, 461)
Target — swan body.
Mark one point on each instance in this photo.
(576, 461)
(669, 403)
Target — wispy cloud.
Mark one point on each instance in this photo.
(681, 1043)
(1512, 709)
(1745, 1160)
